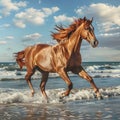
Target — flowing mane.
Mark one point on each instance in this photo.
(64, 33)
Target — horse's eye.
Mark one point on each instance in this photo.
(86, 28)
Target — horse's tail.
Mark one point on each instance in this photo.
(20, 58)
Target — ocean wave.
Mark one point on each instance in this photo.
(9, 96)
(21, 75)
(12, 72)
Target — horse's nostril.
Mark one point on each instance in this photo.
(95, 42)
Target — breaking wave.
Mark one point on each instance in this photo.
(10, 71)
(8, 96)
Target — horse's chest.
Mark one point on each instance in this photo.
(75, 60)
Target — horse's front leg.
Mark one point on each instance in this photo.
(65, 77)
(82, 73)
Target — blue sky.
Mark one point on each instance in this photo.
(28, 22)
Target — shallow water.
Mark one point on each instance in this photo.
(81, 104)
(107, 109)
(17, 104)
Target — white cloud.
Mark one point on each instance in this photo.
(63, 18)
(107, 18)
(101, 54)
(105, 15)
(55, 9)
(106, 27)
(2, 42)
(9, 37)
(34, 36)
(19, 23)
(21, 4)
(49, 11)
(109, 34)
(8, 6)
(112, 41)
(34, 16)
(5, 26)
(101, 12)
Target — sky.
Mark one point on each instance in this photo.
(28, 22)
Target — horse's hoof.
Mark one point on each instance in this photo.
(32, 95)
(100, 97)
(64, 94)
(61, 97)
(47, 101)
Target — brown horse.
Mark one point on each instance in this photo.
(60, 58)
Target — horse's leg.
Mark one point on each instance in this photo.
(43, 83)
(82, 73)
(65, 77)
(28, 79)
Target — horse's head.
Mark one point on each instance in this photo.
(82, 26)
(87, 32)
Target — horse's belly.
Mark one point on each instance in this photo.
(43, 60)
(45, 66)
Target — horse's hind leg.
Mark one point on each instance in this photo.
(43, 83)
(28, 79)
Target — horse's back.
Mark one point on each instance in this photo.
(35, 49)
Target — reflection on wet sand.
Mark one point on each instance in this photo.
(39, 112)
(79, 110)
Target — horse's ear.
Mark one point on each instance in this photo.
(84, 18)
(91, 19)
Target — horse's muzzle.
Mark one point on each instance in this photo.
(94, 43)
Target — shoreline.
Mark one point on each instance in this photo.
(78, 110)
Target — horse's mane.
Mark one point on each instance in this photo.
(64, 33)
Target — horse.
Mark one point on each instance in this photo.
(61, 57)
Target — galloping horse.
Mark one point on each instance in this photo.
(60, 58)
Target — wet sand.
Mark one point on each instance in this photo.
(107, 109)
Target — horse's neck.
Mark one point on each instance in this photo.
(74, 42)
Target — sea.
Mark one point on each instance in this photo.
(16, 102)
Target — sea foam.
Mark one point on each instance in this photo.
(8, 96)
